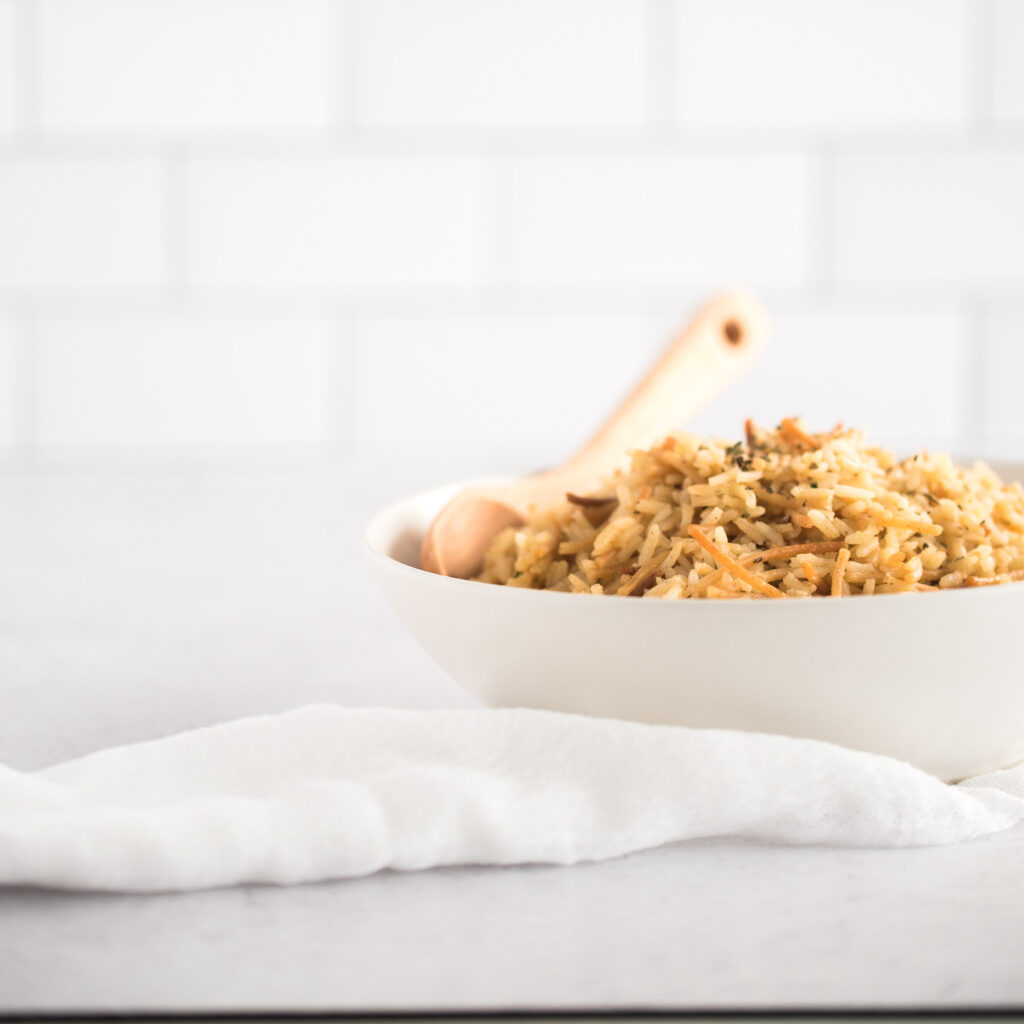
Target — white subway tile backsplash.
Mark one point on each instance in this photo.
(504, 63)
(338, 224)
(521, 383)
(1007, 65)
(8, 69)
(950, 219)
(200, 198)
(1003, 360)
(186, 66)
(657, 222)
(10, 384)
(181, 382)
(80, 225)
(826, 65)
(895, 373)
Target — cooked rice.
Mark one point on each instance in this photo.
(784, 513)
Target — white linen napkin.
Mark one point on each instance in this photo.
(330, 792)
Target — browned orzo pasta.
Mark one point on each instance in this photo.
(784, 513)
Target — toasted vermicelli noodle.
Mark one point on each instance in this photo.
(784, 513)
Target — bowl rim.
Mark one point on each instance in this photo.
(378, 522)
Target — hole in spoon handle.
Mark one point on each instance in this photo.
(732, 331)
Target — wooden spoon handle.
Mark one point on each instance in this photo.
(717, 344)
(720, 341)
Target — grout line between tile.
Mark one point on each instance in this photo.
(822, 221)
(982, 16)
(176, 226)
(508, 300)
(340, 388)
(26, 396)
(26, 31)
(975, 355)
(661, 18)
(497, 225)
(344, 63)
(582, 143)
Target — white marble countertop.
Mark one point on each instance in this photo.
(132, 607)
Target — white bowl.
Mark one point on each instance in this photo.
(933, 679)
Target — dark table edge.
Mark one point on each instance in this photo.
(1015, 1012)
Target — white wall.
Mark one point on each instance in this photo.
(237, 232)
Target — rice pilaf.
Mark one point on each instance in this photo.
(783, 513)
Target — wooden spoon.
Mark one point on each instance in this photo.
(720, 342)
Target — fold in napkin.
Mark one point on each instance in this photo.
(330, 792)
